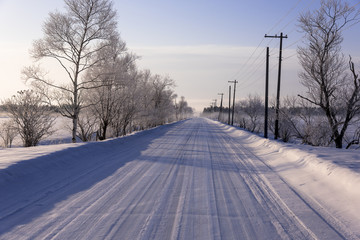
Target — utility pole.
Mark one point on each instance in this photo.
(266, 94)
(221, 104)
(233, 106)
(229, 104)
(215, 101)
(213, 106)
(278, 85)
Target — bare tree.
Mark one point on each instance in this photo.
(73, 39)
(253, 108)
(33, 119)
(312, 126)
(300, 119)
(86, 126)
(8, 132)
(355, 140)
(329, 86)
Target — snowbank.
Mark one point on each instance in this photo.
(325, 177)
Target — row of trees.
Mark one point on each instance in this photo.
(102, 89)
(110, 112)
(331, 104)
(299, 120)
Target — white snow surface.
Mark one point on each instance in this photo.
(194, 179)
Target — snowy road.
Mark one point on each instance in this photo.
(189, 180)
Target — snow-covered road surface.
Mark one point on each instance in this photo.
(188, 180)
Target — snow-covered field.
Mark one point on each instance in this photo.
(195, 179)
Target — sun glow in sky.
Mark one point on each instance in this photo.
(201, 44)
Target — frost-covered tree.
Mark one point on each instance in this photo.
(32, 119)
(112, 73)
(162, 98)
(144, 115)
(183, 109)
(253, 108)
(73, 39)
(86, 125)
(329, 85)
(156, 100)
(127, 105)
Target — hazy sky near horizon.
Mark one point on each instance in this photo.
(201, 44)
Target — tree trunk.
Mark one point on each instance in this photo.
(104, 129)
(74, 130)
(124, 129)
(338, 141)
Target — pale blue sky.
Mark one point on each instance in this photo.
(201, 44)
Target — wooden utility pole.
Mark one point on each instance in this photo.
(278, 85)
(215, 101)
(266, 94)
(233, 106)
(221, 104)
(229, 104)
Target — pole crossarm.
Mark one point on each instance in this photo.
(276, 36)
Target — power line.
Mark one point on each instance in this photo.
(253, 70)
(288, 12)
(253, 66)
(260, 78)
(261, 53)
(250, 69)
(293, 55)
(248, 83)
(292, 44)
(273, 27)
(291, 21)
(249, 58)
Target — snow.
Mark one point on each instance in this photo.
(327, 176)
(195, 179)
